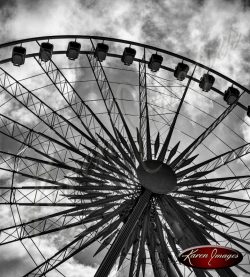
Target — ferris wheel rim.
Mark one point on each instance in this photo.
(128, 42)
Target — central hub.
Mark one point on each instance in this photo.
(157, 176)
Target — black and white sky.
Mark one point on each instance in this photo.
(215, 33)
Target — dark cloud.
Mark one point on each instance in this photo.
(7, 4)
(13, 267)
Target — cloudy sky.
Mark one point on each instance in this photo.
(215, 33)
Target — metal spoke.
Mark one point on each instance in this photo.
(171, 129)
(212, 180)
(56, 122)
(61, 256)
(188, 151)
(116, 117)
(67, 91)
(38, 141)
(78, 244)
(144, 129)
(83, 112)
(216, 162)
(38, 227)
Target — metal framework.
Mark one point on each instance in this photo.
(80, 159)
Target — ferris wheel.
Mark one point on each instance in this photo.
(124, 148)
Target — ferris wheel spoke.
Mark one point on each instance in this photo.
(228, 237)
(173, 151)
(206, 233)
(199, 272)
(212, 180)
(39, 142)
(206, 213)
(116, 117)
(164, 148)
(34, 167)
(65, 129)
(42, 107)
(103, 175)
(34, 196)
(225, 272)
(106, 242)
(31, 193)
(79, 243)
(211, 196)
(38, 227)
(243, 269)
(68, 92)
(125, 144)
(229, 216)
(201, 216)
(144, 130)
(107, 156)
(48, 146)
(113, 159)
(101, 165)
(80, 108)
(43, 204)
(125, 156)
(177, 163)
(56, 186)
(216, 162)
(60, 257)
(108, 97)
(76, 103)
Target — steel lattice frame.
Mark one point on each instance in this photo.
(82, 158)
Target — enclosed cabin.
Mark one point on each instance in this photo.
(128, 55)
(181, 71)
(46, 51)
(101, 51)
(248, 111)
(73, 50)
(155, 62)
(231, 95)
(206, 82)
(18, 55)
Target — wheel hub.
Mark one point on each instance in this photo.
(157, 176)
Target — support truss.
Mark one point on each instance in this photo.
(80, 108)
(189, 150)
(116, 117)
(38, 227)
(216, 162)
(144, 131)
(64, 129)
